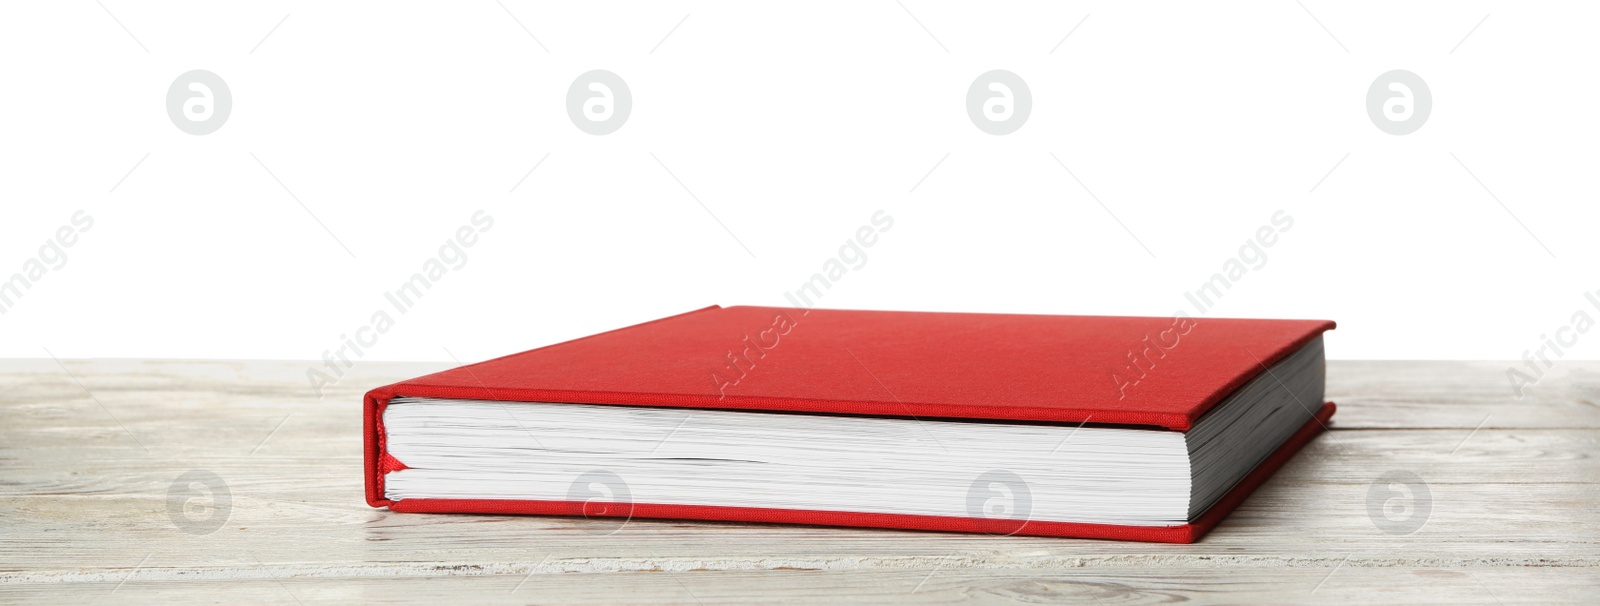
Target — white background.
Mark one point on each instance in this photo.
(792, 124)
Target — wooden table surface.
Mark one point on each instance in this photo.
(1502, 508)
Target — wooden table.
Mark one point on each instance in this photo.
(90, 451)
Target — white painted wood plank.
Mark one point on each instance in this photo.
(84, 479)
(1331, 584)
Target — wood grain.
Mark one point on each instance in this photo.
(87, 460)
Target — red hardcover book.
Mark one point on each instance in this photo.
(1161, 426)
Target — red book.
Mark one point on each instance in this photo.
(908, 420)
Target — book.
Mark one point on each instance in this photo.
(1131, 428)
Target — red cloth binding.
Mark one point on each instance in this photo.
(1066, 369)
